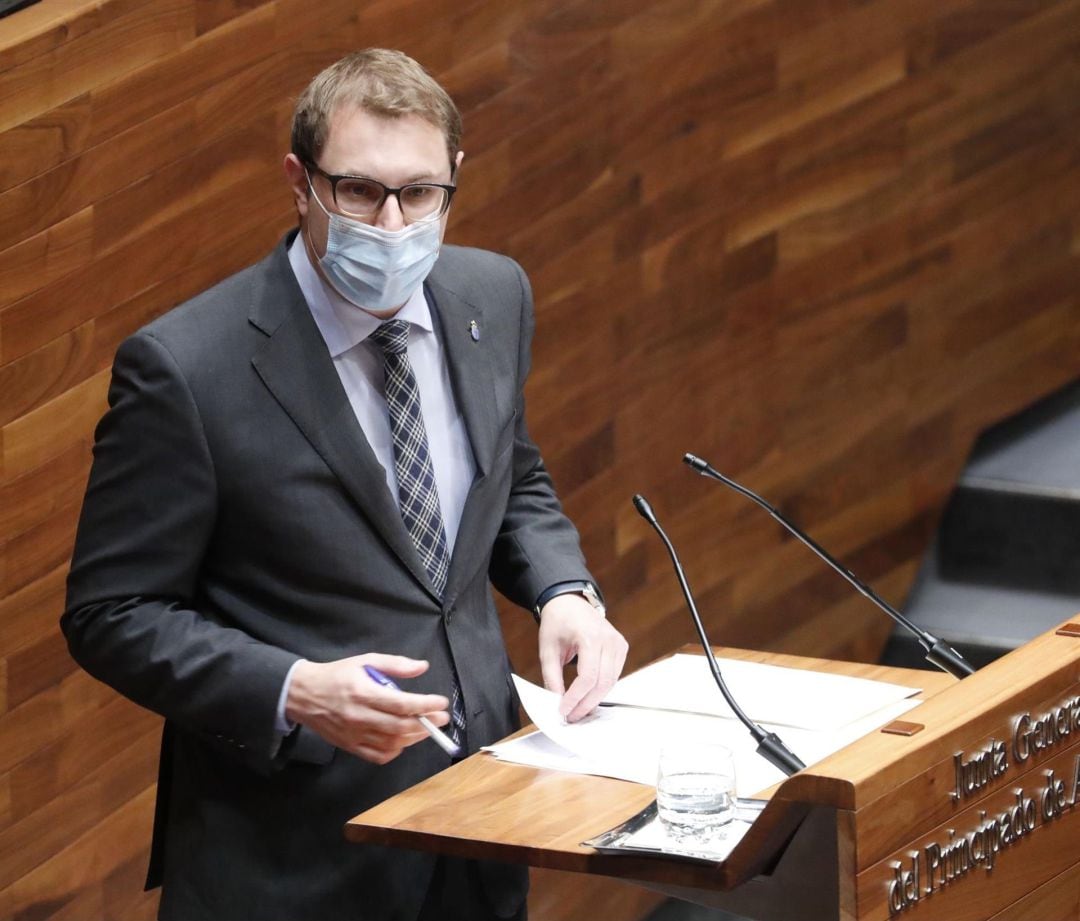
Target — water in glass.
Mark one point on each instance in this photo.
(695, 791)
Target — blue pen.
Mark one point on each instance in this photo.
(444, 741)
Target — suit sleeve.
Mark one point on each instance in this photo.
(134, 618)
(537, 545)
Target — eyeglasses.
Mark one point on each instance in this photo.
(361, 197)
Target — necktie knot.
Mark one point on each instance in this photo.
(392, 337)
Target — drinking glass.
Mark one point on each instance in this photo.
(695, 791)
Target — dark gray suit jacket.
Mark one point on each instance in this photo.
(236, 519)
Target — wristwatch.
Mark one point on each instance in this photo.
(586, 589)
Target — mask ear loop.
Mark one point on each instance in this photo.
(307, 234)
(315, 194)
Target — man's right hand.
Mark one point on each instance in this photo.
(343, 705)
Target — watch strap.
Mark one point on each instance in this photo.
(579, 587)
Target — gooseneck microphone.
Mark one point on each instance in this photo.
(770, 747)
(938, 652)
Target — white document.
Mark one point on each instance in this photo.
(625, 742)
(768, 693)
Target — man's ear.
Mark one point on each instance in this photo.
(296, 176)
(457, 164)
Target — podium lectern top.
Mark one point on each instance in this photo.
(969, 815)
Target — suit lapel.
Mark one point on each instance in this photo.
(296, 367)
(470, 370)
(472, 378)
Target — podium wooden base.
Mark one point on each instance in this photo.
(972, 817)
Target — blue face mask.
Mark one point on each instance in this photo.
(377, 269)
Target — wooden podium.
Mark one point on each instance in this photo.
(971, 811)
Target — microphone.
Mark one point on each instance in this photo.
(938, 652)
(770, 747)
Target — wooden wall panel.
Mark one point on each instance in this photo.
(820, 242)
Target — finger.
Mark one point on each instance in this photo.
(391, 725)
(422, 737)
(595, 694)
(404, 703)
(589, 701)
(588, 672)
(379, 750)
(613, 659)
(551, 665)
(404, 741)
(395, 666)
(375, 739)
(396, 701)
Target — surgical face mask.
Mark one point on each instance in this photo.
(377, 269)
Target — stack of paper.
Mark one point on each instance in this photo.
(676, 700)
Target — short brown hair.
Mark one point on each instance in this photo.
(383, 82)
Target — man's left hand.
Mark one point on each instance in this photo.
(570, 626)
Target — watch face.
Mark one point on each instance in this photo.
(593, 597)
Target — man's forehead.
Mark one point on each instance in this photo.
(395, 150)
(355, 129)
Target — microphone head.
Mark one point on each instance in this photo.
(695, 462)
(643, 508)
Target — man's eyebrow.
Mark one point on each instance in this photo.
(428, 176)
(423, 177)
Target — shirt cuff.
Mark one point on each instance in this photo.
(282, 725)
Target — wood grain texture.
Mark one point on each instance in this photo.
(549, 813)
(821, 243)
(867, 808)
(1056, 900)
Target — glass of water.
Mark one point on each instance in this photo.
(695, 791)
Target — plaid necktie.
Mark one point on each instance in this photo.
(418, 493)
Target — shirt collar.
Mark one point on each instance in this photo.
(342, 324)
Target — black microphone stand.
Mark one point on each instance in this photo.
(770, 746)
(938, 652)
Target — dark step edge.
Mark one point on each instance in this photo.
(1003, 486)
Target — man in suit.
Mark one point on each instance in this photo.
(322, 463)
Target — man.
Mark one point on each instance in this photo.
(321, 464)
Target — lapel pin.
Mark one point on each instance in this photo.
(474, 331)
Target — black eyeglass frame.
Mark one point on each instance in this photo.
(387, 191)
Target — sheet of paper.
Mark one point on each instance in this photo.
(537, 750)
(621, 742)
(625, 742)
(768, 693)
